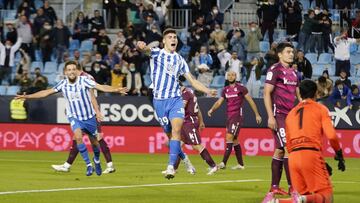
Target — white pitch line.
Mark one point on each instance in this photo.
(129, 186)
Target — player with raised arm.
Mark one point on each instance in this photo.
(280, 91)
(103, 145)
(306, 126)
(234, 95)
(79, 109)
(165, 67)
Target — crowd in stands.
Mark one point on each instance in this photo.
(35, 46)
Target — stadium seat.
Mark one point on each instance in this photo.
(50, 67)
(262, 79)
(147, 80)
(12, 90)
(358, 50)
(330, 68)
(355, 59)
(61, 67)
(3, 90)
(312, 57)
(219, 92)
(36, 64)
(74, 44)
(353, 48)
(51, 78)
(86, 45)
(318, 69)
(324, 58)
(357, 70)
(218, 81)
(295, 44)
(264, 46)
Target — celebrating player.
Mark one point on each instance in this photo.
(103, 145)
(80, 110)
(280, 92)
(234, 94)
(166, 65)
(306, 124)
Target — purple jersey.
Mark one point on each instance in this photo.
(192, 107)
(285, 82)
(234, 96)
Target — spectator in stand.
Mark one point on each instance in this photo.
(111, 59)
(293, 9)
(25, 81)
(325, 87)
(161, 8)
(24, 10)
(118, 76)
(12, 32)
(39, 83)
(60, 36)
(253, 75)
(197, 39)
(185, 49)
(238, 45)
(253, 41)
(304, 66)
(133, 81)
(344, 6)
(218, 37)
(326, 74)
(7, 55)
(39, 21)
(322, 3)
(271, 57)
(342, 52)
(215, 67)
(268, 14)
(327, 30)
(354, 32)
(49, 12)
(122, 10)
(22, 66)
(214, 17)
(153, 35)
(203, 62)
(81, 27)
(102, 42)
(344, 78)
(305, 33)
(223, 56)
(150, 22)
(235, 65)
(100, 71)
(110, 7)
(119, 42)
(76, 56)
(200, 28)
(149, 11)
(45, 41)
(86, 62)
(9, 4)
(231, 33)
(24, 31)
(339, 93)
(316, 37)
(97, 23)
(66, 57)
(353, 97)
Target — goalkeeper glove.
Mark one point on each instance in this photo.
(340, 158)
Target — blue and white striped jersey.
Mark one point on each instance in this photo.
(165, 69)
(78, 97)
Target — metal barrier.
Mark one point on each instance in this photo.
(244, 17)
(179, 18)
(224, 4)
(7, 15)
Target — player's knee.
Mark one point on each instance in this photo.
(235, 142)
(229, 137)
(279, 153)
(198, 147)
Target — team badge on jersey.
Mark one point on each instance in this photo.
(269, 76)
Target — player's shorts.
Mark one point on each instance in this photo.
(308, 172)
(233, 125)
(168, 109)
(89, 126)
(280, 134)
(190, 133)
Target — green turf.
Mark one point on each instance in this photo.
(31, 171)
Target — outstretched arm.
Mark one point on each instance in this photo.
(199, 86)
(37, 95)
(254, 108)
(216, 105)
(107, 88)
(142, 47)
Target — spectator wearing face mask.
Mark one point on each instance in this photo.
(339, 93)
(293, 16)
(7, 55)
(218, 37)
(231, 33)
(344, 78)
(268, 14)
(235, 65)
(253, 70)
(305, 32)
(99, 70)
(214, 17)
(253, 41)
(118, 75)
(45, 42)
(102, 41)
(133, 81)
(40, 82)
(316, 37)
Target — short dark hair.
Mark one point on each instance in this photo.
(169, 30)
(354, 87)
(338, 82)
(78, 67)
(282, 46)
(322, 79)
(308, 89)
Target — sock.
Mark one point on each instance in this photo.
(182, 155)
(207, 157)
(109, 164)
(276, 170)
(73, 153)
(174, 151)
(96, 153)
(177, 163)
(227, 152)
(287, 171)
(105, 150)
(237, 149)
(84, 153)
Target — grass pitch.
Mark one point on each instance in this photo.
(138, 179)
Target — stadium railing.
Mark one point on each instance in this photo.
(179, 18)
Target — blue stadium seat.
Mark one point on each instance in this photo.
(295, 44)
(38, 3)
(3, 90)
(219, 92)
(358, 49)
(324, 58)
(357, 70)
(12, 90)
(312, 57)
(317, 69)
(353, 48)
(355, 59)
(264, 46)
(74, 44)
(36, 64)
(331, 69)
(86, 45)
(50, 67)
(147, 80)
(218, 81)
(61, 68)
(51, 78)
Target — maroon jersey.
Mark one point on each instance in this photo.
(234, 96)
(285, 81)
(192, 107)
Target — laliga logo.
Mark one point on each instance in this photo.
(58, 139)
(340, 114)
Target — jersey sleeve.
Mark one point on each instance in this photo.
(271, 76)
(89, 83)
(328, 129)
(245, 90)
(154, 52)
(59, 85)
(184, 68)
